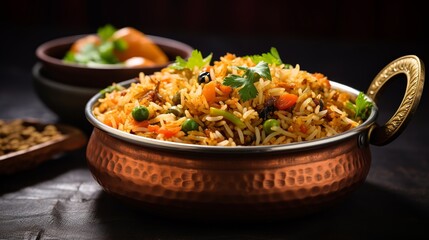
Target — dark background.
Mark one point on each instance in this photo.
(349, 41)
(348, 20)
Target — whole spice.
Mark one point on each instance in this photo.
(16, 136)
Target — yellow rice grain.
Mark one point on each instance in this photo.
(228, 129)
(257, 136)
(240, 134)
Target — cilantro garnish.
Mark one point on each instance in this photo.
(106, 32)
(361, 108)
(111, 88)
(271, 57)
(103, 52)
(246, 82)
(195, 60)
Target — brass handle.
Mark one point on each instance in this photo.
(413, 68)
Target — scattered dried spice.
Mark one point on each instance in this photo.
(16, 135)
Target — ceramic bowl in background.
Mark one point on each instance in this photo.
(50, 54)
(65, 88)
(67, 101)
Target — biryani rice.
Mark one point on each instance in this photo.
(319, 110)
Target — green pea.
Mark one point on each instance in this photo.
(268, 124)
(140, 113)
(189, 125)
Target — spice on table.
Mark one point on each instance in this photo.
(16, 136)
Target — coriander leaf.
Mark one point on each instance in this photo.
(275, 54)
(195, 60)
(106, 52)
(102, 52)
(262, 70)
(179, 64)
(246, 82)
(120, 45)
(361, 107)
(69, 57)
(248, 92)
(271, 57)
(234, 81)
(106, 32)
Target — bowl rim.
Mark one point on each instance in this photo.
(186, 147)
(160, 41)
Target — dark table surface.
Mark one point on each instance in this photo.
(61, 200)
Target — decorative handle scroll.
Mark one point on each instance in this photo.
(413, 68)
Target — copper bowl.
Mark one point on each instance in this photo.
(248, 182)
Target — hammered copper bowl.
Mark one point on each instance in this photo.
(50, 54)
(248, 182)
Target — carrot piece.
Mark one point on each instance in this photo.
(142, 123)
(169, 132)
(108, 122)
(139, 45)
(226, 90)
(209, 91)
(286, 101)
(303, 128)
(153, 128)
